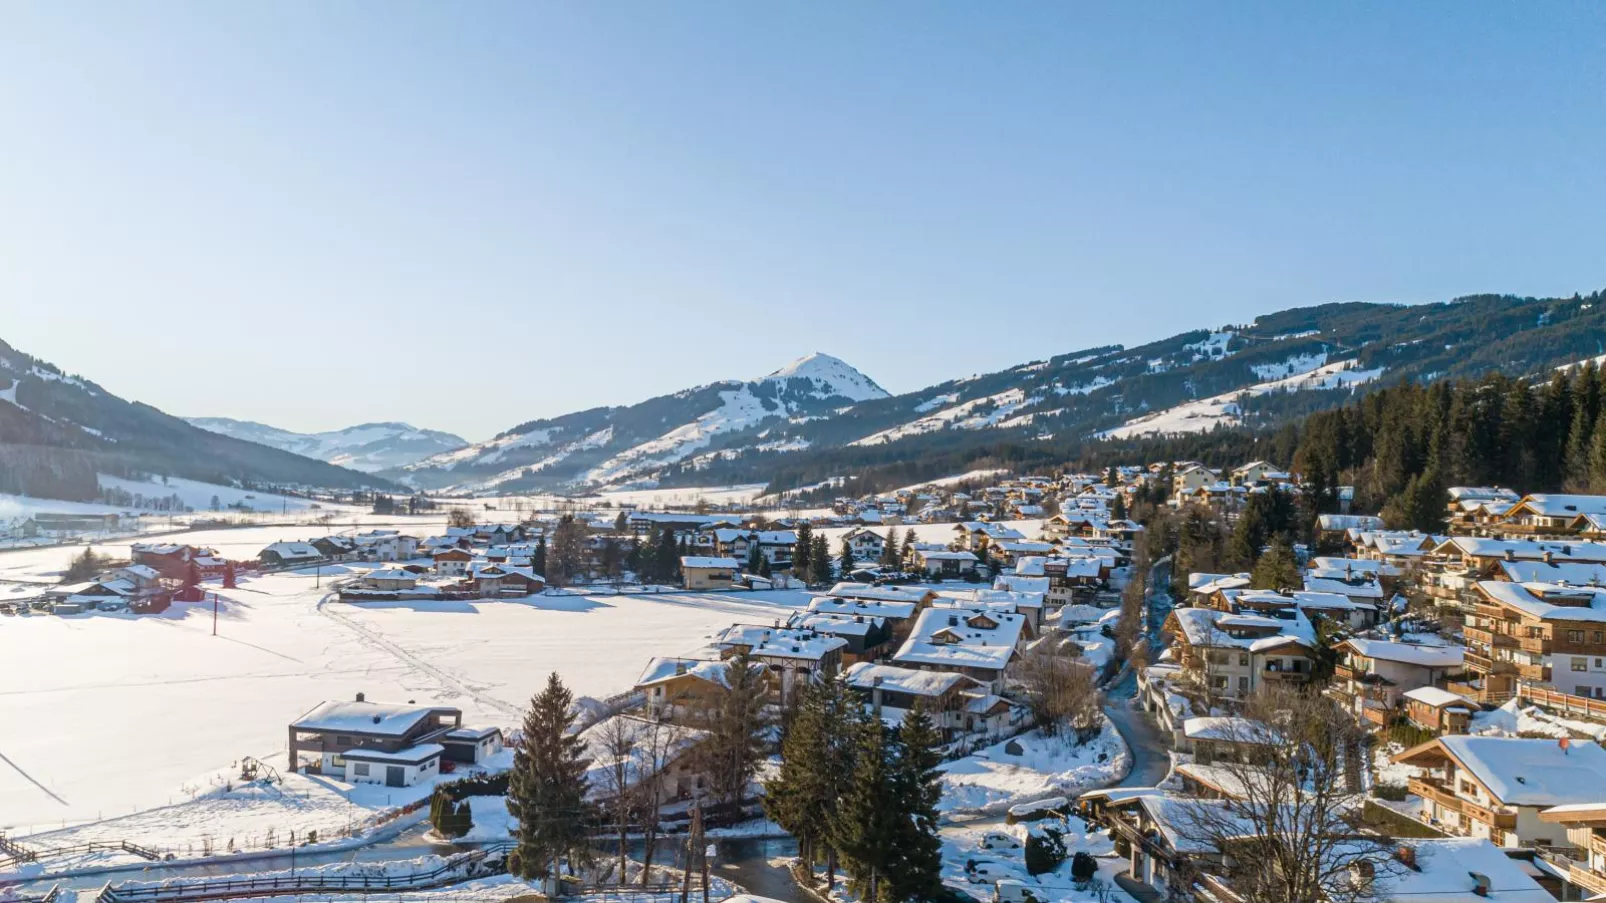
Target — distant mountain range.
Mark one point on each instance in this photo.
(368, 447)
(820, 417)
(690, 429)
(58, 431)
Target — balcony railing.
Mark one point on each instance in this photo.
(1486, 637)
(1505, 821)
(1540, 645)
(1427, 788)
(1575, 872)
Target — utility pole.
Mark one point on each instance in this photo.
(214, 614)
(691, 844)
(702, 853)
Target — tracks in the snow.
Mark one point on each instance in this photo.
(377, 640)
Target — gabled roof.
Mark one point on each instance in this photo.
(1520, 771)
(1407, 653)
(973, 646)
(696, 561)
(868, 676)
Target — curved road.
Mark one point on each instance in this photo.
(1150, 760)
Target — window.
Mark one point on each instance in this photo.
(1575, 636)
(1595, 637)
(360, 769)
(1219, 682)
(1580, 664)
(1581, 690)
(1243, 659)
(1243, 684)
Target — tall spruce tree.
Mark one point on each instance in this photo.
(845, 562)
(820, 559)
(735, 725)
(547, 787)
(538, 558)
(816, 758)
(755, 558)
(803, 553)
(916, 873)
(868, 822)
(889, 548)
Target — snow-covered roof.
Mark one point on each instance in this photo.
(1236, 730)
(1407, 653)
(627, 742)
(697, 561)
(834, 624)
(1437, 698)
(140, 570)
(659, 670)
(1445, 869)
(955, 637)
(944, 555)
(1577, 573)
(872, 608)
(1020, 584)
(1338, 522)
(1532, 772)
(1207, 627)
(1484, 547)
(909, 594)
(783, 642)
(293, 550)
(1335, 582)
(391, 574)
(1480, 493)
(380, 718)
(1206, 584)
(1548, 504)
(867, 676)
(1539, 600)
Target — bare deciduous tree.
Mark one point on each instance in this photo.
(1059, 690)
(1292, 830)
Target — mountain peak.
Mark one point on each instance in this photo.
(840, 377)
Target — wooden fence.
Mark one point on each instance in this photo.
(458, 868)
(1563, 702)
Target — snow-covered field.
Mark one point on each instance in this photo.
(994, 857)
(116, 713)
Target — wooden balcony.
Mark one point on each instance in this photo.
(1342, 671)
(1597, 844)
(1429, 789)
(1487, 638)
(1483, 664)
(1497, 612)
(1538, 673)
(1299, 676)
(1505, 821)
(1576, 873)
(1534, 644)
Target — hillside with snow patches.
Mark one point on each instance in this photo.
(59, 432)
(368, 447)
(634, 445)
(819, 415)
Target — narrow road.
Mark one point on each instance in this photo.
(1150, 760)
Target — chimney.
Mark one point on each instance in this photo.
(362, 697)
(680, 668)
(1548, 556)
(1480, 884)
(953, 620)
(1511, 554)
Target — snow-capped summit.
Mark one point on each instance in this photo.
(368, 447)
(832, 376)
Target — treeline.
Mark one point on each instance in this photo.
(54, 473)
(1401, 447)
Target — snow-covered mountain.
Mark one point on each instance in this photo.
(59, 432)
(819, 418)
(623, 445)
(368, 447)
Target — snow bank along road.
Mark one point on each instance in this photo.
(107, 714)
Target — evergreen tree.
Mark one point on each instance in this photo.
(816, 757)
(916, 873)
(868, 823)
(666, 557)
(1276, 569)
(820, 559)
(889, 548)
(803, 553)
(1597, 456)
(621, 523)
(538, 558)
(846, 560)
(547, 786)
(755, 558)
(735, 743)
(1580, 440)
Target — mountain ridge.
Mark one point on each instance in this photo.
(1277, 366)
(365, 447)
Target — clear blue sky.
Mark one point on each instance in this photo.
(468, 215)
